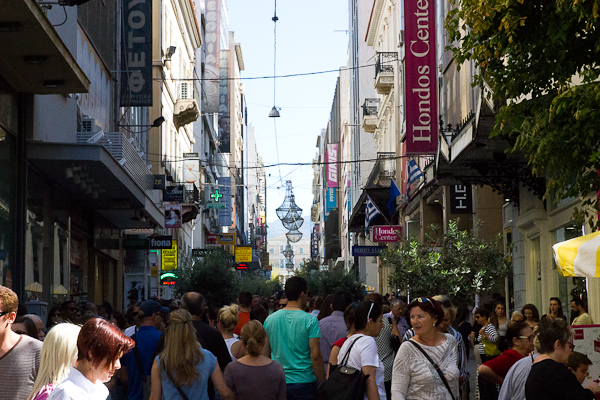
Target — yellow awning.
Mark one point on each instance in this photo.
(579, 256)
(34, 287)
(60, 289)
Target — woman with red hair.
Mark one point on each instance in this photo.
(100, 345)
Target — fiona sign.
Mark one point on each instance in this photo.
(421, 77)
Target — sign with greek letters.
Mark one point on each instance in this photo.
(136, 65)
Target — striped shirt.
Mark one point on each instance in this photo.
(492, 336)
(19, 367)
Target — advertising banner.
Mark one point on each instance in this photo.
(420, 77)
(332, 169)
(212, 40)
(224, 120)
(226, 238)
(461, 199)
(160, 242)
(331, 198)
(172, 215)
(387, 233)
(169, 257)
(225, 213)
(367, 251)
(314, 242)
(243, 254)
(136, 78)
(191, 168)
(587, 341)
(174, 194)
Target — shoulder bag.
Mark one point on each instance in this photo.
(344, 383)
(437, 368)
(146, 385)
(395, 340)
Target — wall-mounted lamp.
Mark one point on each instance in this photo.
(170, 52)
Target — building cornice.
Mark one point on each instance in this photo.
(238, 54)
(374, 22)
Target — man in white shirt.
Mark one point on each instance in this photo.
(133, 329)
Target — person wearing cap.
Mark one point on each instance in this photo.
(146, 339)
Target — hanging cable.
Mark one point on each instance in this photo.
(274, 112)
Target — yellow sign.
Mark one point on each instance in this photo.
(226, 238)
(169, 257)
(243, 254)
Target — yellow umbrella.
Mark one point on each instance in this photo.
(579, 256)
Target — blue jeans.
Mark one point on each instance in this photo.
(301, 391)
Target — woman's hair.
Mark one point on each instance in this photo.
(325, 310)
(51, 313)
(118, 316)
(516, 314)
(447, 306)
(182, 350)
(228, 317)
(482, 311)
(259, 313)
(560, 310)
(59, 354)
(430, 306)
(99, 340)
(30, 328)
(514, 331)
(494, 318)
(253, 336)
(462, 314)
(551, 330)
(366, 311)
(533, 309)
(349, 315)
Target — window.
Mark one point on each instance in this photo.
(281, 249)
(272, 251)
(301, 250)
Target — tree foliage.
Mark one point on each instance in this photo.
(460, 264)
(540, 59)
(322, 283)
(257, 285)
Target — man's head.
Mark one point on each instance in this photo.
(573, 306)
(315, 303)
(194, 303)
(580, 304)
(578, 364)
(152, 313)
(245, 299)
(296, 288)
(397, 307)
(255, 300)
(69, 310)
(9, 303)
(39, 325)
(341, 300)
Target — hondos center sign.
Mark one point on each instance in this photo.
(420, 77)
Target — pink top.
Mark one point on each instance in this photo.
(44, 392)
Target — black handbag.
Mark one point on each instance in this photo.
(344, 383)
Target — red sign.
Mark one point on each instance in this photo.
(212, 238)
(387, 233)
(420, 77)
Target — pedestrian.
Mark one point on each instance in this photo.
(227, 319)
(334, 327)
(579, 365)
(100, 345)
(133, 313)
(54, 318)
(314, 305)
(245, 302)
(516, 317)
(397, 310)
(255, 300)
(550, 378)
(105, 310)
(445, 327)
(23, 325)
(574, 312)
(513, 385)
(255, 376)
(362, 348)
(414, 376)
(137, 364)
(488, 336)
(583, 318)
(59, 354)
(259, 312)
(463, 326)
(325, 310)
(19, 354)
(210, 338)
(519, 339)
(531, 314)
(184, 367)
(555, 309)
(294, 336)
(69, 311)
(499, 319)
(39, 325)
(335, 349)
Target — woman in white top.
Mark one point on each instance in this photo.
(363, 355)
(227, 319)
(414, 376)
(100, 345)
(499, 319)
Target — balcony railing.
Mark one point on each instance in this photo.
(370, 107)
(385, 62)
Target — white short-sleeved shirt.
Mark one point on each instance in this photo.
(78, 387)
(364, 354)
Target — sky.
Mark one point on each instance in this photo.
(307, 41)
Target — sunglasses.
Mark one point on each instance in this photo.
(4, 313)
(424, 300)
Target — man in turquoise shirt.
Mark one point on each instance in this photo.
(294, 336)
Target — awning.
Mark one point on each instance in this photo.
(119, 198)
(34, 287)
(380, 197)
(34, 58)
(579, 256)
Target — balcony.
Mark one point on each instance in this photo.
(370, 110)
(384, 71)
(186, 107)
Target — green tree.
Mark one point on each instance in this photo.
(257, 285)
(322, 283)
(213, 276)
(460, 265)
(540, 59)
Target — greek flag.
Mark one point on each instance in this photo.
(414, 174)
(371, 211)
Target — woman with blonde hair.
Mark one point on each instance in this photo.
(227, 320)
(182, 370)
(59, 354)
(255, 376)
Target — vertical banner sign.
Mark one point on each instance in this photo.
(331, 199)
(212, 42)
(191, 168)
(136, 61)
(461, 199)
(332, 166)
(421, 77)
(224, 120)
(225, 213)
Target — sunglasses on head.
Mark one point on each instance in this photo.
(424, 300)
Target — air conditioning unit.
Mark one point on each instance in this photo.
(185, 90)
(90, 125)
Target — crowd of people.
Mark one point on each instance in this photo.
(291, 346)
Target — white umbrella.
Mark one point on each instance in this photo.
(579, 256)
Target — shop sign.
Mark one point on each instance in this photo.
(160, 182)
(174, 194)
(331, 198)
(226, 238)
(243, 254)
(367, 251)
(215, 198)
(461, 201)
(212, 238)
(173, 216)
(387, 233)
(169, 257)
(135, 244)
(160, 242)
(225, 213)
(191, 168)
(332, 166)
(145, 231)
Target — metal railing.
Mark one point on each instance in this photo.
(370, 107)
(385, 62)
